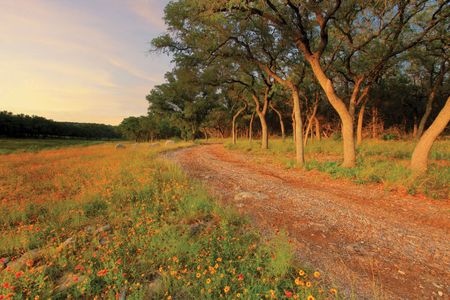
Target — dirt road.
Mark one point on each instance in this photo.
(364, 239)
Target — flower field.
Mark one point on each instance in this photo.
(96, 222)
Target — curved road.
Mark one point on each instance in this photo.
(370, 243)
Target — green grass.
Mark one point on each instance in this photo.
(169, 239)
(379, 161)
(8, 146)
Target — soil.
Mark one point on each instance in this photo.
(370, 243)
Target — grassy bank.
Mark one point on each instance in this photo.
(379, 161)
(8, 146)
(95, 221)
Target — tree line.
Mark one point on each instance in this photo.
(322, 65)
(25, 126)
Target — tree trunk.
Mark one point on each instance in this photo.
(348, 135)
(280, 117)
(250, 128)
(431, 97)
(427, 113)
(374, 122)
(317, 125)
(359, 126)
(233, 124)
(293, 125)
(419, 159)
(264, 131)
(298, 128)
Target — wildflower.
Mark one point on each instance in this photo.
(6, 285)
(198, 275)
(310, 298)
(308, 284)
(298, 281)
(75, 278)
(316, 274)
(19, 274)
(301, 273)
(288, 294)
(240, 277)
(238, 295)
(219, 259)
(216, 266)
(102, 273)
(333, 291)
(208, 281)
(226, 289)
(272, 293)
(79, 268)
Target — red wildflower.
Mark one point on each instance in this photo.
(79, 268)
(19, 274)
(240, 277)
(288, 294)
(102, 272)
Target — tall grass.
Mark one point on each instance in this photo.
(378, 162)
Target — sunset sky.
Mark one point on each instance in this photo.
(83, 60)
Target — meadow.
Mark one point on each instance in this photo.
(33, 145)
(96, 222)
(379, 161)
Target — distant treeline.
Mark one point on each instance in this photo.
(25, 126)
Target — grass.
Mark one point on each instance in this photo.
(107, 223)
(379, 161)
(8, 146)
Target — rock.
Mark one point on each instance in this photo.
(29, 257)
(107, 228)
(68, 280)
(103, 241)
(169, 142)
(154, 145)
(196, 228)
(120, 146)
(242, 196)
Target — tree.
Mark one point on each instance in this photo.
(419, 158)
(374, 33)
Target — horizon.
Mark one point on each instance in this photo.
(86, 62)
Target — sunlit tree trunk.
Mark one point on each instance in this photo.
(280, 117)
(419, 158)
(359, 126)
(250, 128)
(317, 125)
(233, 124)
(344, 114)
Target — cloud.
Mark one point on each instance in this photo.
(78, 60)
(150, 11)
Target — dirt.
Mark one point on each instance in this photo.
(370, 243)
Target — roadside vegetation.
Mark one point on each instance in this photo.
(116, 223)
(379, 161)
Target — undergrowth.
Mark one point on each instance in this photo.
(378, 161)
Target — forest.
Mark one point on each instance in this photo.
(25, 126)
(350, 70)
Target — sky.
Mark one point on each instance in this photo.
(80, 60)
